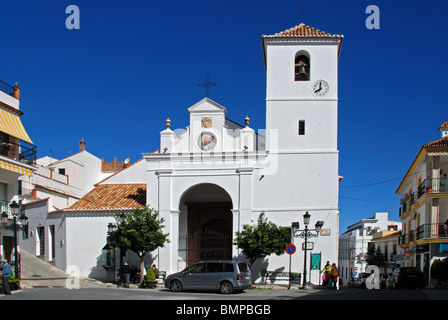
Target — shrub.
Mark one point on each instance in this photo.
(150, 275)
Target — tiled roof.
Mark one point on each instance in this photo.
(303, 30)
(442, 142)
(105, 197)
(444, 125)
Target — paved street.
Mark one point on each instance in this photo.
(41, 281)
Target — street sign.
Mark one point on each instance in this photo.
(290, 248)
(309, 246)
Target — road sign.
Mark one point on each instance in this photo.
(309, 246)
(290, 248)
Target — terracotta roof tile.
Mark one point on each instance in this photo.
(303, 30)
(444, 125)
(106, 197)
(442, 142)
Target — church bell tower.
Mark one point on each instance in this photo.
(302, 88)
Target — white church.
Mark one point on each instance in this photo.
(217, 175)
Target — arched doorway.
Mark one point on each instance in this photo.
(206, 224)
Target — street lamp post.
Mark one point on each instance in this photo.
(15, 226)
(305, 234)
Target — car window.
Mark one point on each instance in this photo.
(228, 267)
(214, 267)
(196, 268)
(243, 267)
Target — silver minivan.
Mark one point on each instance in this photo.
(226, 276)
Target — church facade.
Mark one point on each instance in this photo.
(210, 180)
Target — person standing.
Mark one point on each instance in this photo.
(326, 270)
(126, 272)
(6, 274)
(334, 274)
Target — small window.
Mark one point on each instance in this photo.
(62, 171)
(301, 127)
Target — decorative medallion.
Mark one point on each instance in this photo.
(206, 122)
(207, 141)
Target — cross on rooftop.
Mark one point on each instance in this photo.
(301, 7)
(207, 84)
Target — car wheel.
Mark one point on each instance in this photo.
(175, 286)
(225, 287)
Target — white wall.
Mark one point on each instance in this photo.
(86, 235)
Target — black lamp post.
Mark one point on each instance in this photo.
(305, 234)
(15, 226)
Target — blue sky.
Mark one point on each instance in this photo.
(134, 63)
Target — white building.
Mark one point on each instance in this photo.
(212, 179)
(216, 176)
(54, 186)
(17, 155)
(424, 204)
(65, 181)
(353, 243)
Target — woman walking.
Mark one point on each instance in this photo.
(334, 274)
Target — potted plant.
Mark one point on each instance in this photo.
(150, 280)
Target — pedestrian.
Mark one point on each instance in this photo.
(156, 271)
(326, 271)
(134, 274)
(6, 274)
(334, 274)
(125, 270)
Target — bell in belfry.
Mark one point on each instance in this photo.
(301, 74)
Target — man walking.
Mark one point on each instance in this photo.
(6, 274)
(126, 272)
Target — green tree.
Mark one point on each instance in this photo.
(140, 232)
(263, 239)
(370, 257)
(374, 256)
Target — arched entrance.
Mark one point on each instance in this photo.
(205, 224)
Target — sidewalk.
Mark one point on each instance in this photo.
(37, 273)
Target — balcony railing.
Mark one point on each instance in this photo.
(17, 149)
(433, 185)
(6, 88)
(432, 230)
(425, 231)
(4, 207)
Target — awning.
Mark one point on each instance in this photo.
(15, 168)
(12, 125)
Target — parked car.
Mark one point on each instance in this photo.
(384, 277)
(362, 277)
(351, 283)
(226, 276)
(407, 277)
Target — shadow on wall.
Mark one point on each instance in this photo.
(98, 272)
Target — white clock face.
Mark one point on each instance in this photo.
(207, 141)
(320, 88)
